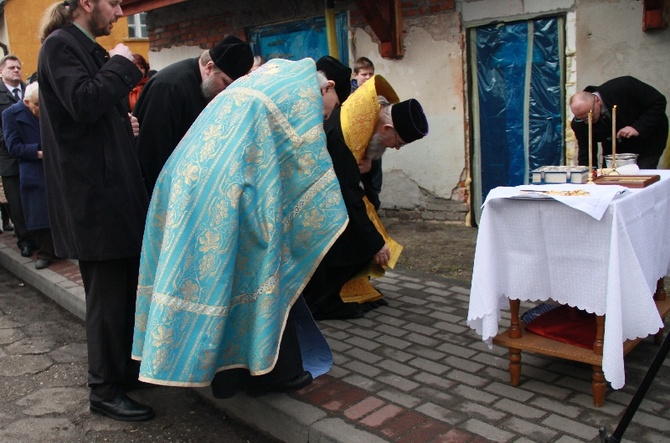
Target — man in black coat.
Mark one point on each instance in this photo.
(11, 91)
(96, 199)
(174, 97)
(641, 122)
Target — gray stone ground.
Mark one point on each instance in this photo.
(43, 384)
(409, 372)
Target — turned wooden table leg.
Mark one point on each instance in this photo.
(599, 342)
(514, 326)
(598, 386)
(514, 332)
(515, 366)
(660, 293)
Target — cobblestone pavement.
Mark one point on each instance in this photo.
(410, 372)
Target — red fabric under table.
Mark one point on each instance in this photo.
(566, 324)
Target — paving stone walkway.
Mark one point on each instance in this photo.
(414, 372)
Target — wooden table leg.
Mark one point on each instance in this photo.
(599, 342)
(514, 332)
(514, 325)
(659, 295)
(515, 366)
(598, 386)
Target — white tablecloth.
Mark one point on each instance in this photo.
(532, 249)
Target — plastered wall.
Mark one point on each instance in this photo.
(603, 39)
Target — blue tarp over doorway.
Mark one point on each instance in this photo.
(519, 100)
(299, 39)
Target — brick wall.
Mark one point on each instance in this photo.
(204, 22)
(410, 9)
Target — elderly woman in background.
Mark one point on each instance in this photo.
(22, 134)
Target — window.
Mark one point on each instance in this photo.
(137, 25)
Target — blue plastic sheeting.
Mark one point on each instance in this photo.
(520, 121)
(546, 141)
(299, 39)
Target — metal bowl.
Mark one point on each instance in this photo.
(621, 159)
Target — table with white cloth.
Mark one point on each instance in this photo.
(605, 253)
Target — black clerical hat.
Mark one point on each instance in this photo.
(337, 72)
(232, 56)
(409, 120)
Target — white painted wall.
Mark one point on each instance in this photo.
(431, 72)
(160, 59)
(604, 39)
(610, 43)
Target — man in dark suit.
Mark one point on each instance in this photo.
(174, 97)
(11, 91)
(97, 201)
(641, 122)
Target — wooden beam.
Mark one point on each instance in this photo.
(131, 7)
(385, 19)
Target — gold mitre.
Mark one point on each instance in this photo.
(360, 113)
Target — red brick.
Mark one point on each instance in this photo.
(427, 431)
(324, 393)
(380, 416)
(363, 408)
(345, 399)
(402, 423)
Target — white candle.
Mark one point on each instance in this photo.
(614, 137)
(590, 144)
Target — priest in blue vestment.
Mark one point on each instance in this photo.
(242, 214)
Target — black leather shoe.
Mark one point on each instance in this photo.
(26, 251)
(297, 382)
(7, 227)
(123, 408)
(347, 311)
(370, 305)
(42, 263)
(229, 382)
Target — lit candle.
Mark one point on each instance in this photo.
(614, 137)
(590, 145)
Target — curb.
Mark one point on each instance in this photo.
(302, 422)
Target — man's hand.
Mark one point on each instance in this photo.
(383, 256)
(123, 51)
(135, 124)
(365, 165)
(627, 132)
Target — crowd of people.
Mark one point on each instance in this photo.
(200, 200)
(216, 207)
